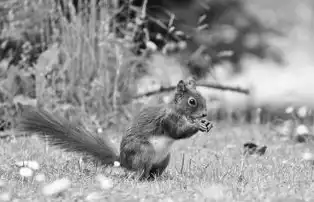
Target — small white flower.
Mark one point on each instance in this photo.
(104, 182)
(33, 165)
(6, 196)
(289, 110)
(56, 187)
(302, 130)
(151, 45)
(307, 156)
(40, 177)
(302, 112)
(94, 196)
(284, 161)
(116, 164)
(26, 172)
(99, 130)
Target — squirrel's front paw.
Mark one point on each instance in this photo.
(205, 125)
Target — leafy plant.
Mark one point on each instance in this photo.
(85, 55)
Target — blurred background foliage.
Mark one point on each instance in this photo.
(87, 57)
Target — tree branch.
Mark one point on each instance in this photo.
(208, 85)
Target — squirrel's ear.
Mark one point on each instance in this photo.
(191, 82)
(181, 87)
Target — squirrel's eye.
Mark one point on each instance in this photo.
(192, 101)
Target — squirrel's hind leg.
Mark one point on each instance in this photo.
(138, 156)
(158, 169)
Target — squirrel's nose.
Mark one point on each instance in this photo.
(204, 115)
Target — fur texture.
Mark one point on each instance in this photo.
(68, 136)
(145, 147)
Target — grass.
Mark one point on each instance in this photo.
(210, 170)
(203, 168)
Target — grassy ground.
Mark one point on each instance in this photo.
(210, 171)
(203, 168)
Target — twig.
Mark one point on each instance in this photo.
(141, 20)
(144, 10)
(182, 163)
(10, 133)
(117, 76)
(208, 85)
(226, 88)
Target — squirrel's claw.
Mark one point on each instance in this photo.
(210, 126)
(205, 125)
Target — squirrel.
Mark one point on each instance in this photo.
(145, 146)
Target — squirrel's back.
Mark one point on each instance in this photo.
(148, 121)
(66, 135)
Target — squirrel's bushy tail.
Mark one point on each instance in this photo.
(66, 135)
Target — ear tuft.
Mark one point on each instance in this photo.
(181, 86)
(191, 82)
